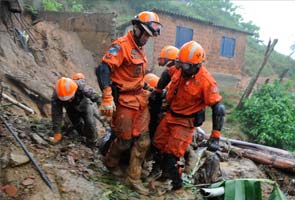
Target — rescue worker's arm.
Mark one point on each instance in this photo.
(112, 59)
(164, 80)
(107, 100)
(56, 110)
(103, 74)
(155, 101)
(218, 112)
(212, 98)
(157, 94)
(89, 92)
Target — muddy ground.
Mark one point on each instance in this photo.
(74, 170)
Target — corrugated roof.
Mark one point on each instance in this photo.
(191, 19)
(199, 20)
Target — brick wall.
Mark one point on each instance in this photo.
(209, 37)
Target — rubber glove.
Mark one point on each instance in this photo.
(107, 106)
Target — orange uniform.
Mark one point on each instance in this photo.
(186, 96)
(121, 79)
(128, 64)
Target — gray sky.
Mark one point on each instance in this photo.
(276, 19)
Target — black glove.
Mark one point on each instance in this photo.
(213, 144)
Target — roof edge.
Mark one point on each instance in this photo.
(198, 20)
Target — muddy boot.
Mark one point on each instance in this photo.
(112, 158)
(138, 151)
(137, 155)
(137, 186)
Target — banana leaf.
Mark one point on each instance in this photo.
(248, 189)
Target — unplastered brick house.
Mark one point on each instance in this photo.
(224, 46)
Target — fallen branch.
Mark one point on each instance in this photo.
(259, 153)
(266, 159)
(248, 145)
(26, 108)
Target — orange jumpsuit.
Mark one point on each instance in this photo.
(186, 97)
(127, 63)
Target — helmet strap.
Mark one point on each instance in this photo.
(137, 37)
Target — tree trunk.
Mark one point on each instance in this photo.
(267, 159)
(251, 85)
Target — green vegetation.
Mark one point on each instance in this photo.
(267, 117)
(65, 5)
(249, 189)
(51, 5)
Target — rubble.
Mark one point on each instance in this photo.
(16, 159)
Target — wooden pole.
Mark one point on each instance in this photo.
(266, 159)
(251, 85)
(26, 108)
(23, 146)
(248, 145)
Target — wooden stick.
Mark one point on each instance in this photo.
(266, 159)
(26, 108)
(247, 145)
(270, 48)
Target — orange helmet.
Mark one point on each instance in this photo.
(149, 21)
(151, 79)
(169, 52)
(192, 53)
(65, 88)
(78, 76)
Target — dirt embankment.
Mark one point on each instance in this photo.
(53, 53)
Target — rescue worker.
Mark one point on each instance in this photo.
(78, 104)
(192, 89)
(150, 81)
(167, 57)
(120, 77)
(79, 78)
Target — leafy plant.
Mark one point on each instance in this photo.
(248, 189)
(51, 5)
(268, 116)
(66, 5)
(30, 9)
